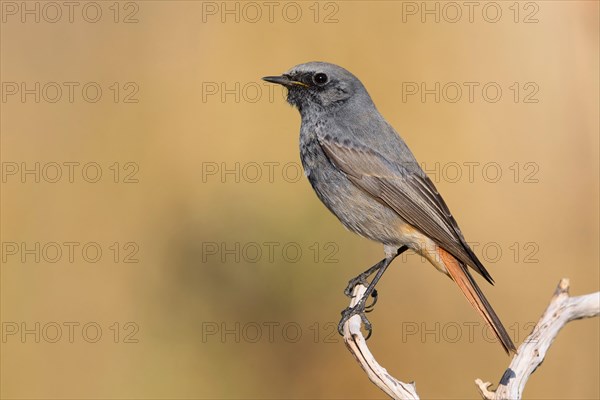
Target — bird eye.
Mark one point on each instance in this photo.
(320, 78)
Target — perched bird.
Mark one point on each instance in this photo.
(364, 173)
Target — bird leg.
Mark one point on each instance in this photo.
(362, 278)
(360, 308)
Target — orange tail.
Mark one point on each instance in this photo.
(459, 274)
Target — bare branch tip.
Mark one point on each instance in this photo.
(563, 287)
(483, 389)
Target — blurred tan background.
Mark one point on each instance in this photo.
(239, 275)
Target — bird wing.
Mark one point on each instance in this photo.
(406, 189)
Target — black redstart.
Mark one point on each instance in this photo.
(365, 174)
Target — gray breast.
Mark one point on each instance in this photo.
(358, 211)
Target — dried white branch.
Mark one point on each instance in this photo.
(531, 353)
(356, 343)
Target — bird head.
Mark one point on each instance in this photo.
(319, 86)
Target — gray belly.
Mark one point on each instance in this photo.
(358, 211)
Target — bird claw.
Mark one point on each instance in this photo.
(349, 312)
(360, 308)
(371, 306)
(354, 282)
(361, 280)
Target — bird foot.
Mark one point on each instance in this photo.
(362, 280)
(349, 312)
(354, 282)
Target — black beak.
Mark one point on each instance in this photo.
(283, 80)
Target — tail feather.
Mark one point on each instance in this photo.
(459, 273)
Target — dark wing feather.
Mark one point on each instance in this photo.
(407, 190)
